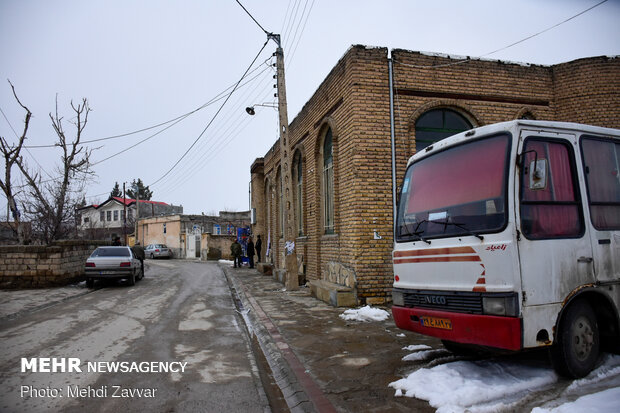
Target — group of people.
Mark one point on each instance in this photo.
(251, 250)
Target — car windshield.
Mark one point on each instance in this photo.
(111, 252)
(461, 190)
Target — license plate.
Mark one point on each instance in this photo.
(434, 322)
(107, 272)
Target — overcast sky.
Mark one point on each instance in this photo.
(142, 63)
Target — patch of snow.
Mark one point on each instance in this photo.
(492, 385)
(461, 385)
(610, 367)
(417, 347)
(400, 335)
(226, 262)
(601, 402)
(365, 314)
(423, 355)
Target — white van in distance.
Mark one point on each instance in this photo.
(508, 237)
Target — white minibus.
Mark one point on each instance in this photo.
(508, 237)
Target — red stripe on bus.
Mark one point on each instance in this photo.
(435, 251)
(465, 258)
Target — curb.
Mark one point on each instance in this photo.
(300, 391)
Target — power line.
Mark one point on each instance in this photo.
(506, 47)
(217, 97)
(546, 30)
(25, 147)
(214, 116)
(252, 17)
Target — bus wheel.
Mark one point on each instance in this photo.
(576, 350)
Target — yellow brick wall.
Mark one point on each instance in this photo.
(354, 101)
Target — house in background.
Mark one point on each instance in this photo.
(193, 236)
(107, 220)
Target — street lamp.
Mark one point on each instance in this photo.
(250, 109)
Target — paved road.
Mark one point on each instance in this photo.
(180, 312)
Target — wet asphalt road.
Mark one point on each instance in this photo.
(180, 312)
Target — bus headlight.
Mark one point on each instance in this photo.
(503, 305)
(398, 298)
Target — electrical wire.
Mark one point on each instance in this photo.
(214, 116)
(505, 47)
(25, 147)
(252, 17)
(217, 97)
(234, 120)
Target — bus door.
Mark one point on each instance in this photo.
(555, 251)
(601, 165)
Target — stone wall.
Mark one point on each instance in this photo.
(32, 266)
(216, 247)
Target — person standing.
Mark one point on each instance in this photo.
(235, 251)
(138, 251)
(259, 246)
(250, 250)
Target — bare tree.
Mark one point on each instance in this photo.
(51, 203)
(11, 155)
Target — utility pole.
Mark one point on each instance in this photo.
(124, 215)
(292, 281)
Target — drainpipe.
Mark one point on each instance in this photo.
(392, 134)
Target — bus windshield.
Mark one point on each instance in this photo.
(458, 191)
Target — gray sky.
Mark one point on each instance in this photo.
(141, 63)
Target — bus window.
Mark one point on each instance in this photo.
(601, 163)
(551, 210)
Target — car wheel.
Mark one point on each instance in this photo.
(152, 256)
(576, 350)
(132, 279)
(90, 283)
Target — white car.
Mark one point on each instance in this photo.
(112, 263)
(157, 251)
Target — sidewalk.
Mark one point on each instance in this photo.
(320, 361)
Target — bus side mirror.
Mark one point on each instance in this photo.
(538, 174)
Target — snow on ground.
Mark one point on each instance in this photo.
(602, 402)
(499, 385)
(417, 347)
(231, 263)
(365, 314)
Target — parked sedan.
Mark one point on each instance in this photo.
(157, 251)
(113, 263)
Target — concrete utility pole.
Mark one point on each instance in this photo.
(292, 280)
(124, 215)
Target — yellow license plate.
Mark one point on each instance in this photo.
(434, 322)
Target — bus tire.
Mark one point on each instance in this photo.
(576, 350)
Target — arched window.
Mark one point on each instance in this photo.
(328, 183)
(436, 125)
(299, 179)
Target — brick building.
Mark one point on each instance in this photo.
(342, 179)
